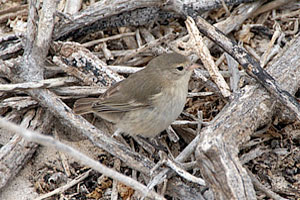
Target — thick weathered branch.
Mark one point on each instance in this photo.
(217, 152)
(48, 83)
(116, 13)
(251, 66)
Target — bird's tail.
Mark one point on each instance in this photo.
(84, 106)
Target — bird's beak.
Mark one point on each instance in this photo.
(192, 67)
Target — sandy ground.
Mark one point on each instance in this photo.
(22, 186)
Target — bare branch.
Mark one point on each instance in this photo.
(48, 83)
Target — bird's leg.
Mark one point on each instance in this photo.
(157, 147)
(117, 133)
(177, 167)
(145, 145)
(163, 159)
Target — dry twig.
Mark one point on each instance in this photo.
(197, 44)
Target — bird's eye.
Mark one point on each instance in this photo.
(180, 68)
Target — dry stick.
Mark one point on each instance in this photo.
(183, 122)
(225, 8)
(149, 38)
(130, 42)
(13, 9)
(271, 6)
(251, 66)
(11, 50)
(18, 102)
(63, 188)
(72, 6)
(172, 134)
(102, 10)
(79, 91)
(197, 44)
(209, 84)
(107, 53)
(263, 188)
(48, 83)
(252, 52)
(13, 148)
(199, 94)
(264, 57)
(287, 15)
(180, 158)
(295, 31)
(181, 172)
(220, 59)
(147, 46)
(124, 69)
(177, 168)
(212, 4)
(130, 70)
(114, 37)
(49, 141)
(12, 13)
(114, 192)
(236, 19)
(63, 158)
(138, 38)
(11, 36)
(84, 59)
(32, 56)
(44, 34)
(235, 74)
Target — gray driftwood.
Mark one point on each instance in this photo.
(117, 13)
(217, 151)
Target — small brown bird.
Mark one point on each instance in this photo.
(148, 101)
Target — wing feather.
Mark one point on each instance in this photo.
(120, 98)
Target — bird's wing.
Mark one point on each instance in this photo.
(117, 106)
(120, 98)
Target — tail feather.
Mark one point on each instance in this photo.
(84, 106)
